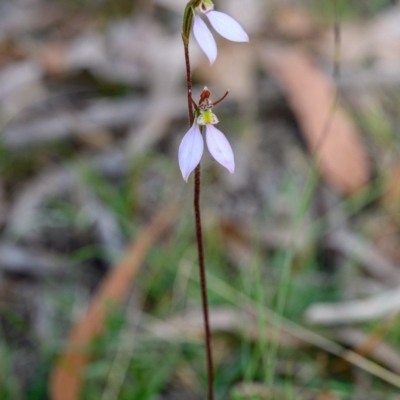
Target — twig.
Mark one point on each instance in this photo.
(18, 260)
(356, 248)
(349, 312)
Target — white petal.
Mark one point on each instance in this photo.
(190, 151)
(227, 27)
(220, 148)
(205, 39)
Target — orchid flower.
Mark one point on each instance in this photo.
(192, 145)
(225, 25)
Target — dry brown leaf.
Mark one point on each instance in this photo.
(67, 377)
(328, 131)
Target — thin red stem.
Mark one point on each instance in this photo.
(199, 239)
(203, 282)
(189, 84)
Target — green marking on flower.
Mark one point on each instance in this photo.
(207, 117)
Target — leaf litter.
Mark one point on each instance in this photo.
(90, 89)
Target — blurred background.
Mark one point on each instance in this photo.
(99, 291)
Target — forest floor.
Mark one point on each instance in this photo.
(99, 287)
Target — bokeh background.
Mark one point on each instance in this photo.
(99, 292)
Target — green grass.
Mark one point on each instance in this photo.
(127, 364)
(8, 384)
(130, 364)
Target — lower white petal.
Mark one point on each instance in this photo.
(220, 148)
(190, 151)
(227, 27)
(205, 39)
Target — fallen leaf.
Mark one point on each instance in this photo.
(67, 377)
(328, 131)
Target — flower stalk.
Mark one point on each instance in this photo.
(202, 119)
(199, 234)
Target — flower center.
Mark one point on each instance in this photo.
(207, 117)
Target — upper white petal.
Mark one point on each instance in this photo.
(227, 27)
(205, 39)
(220, 148)
(190, 151)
